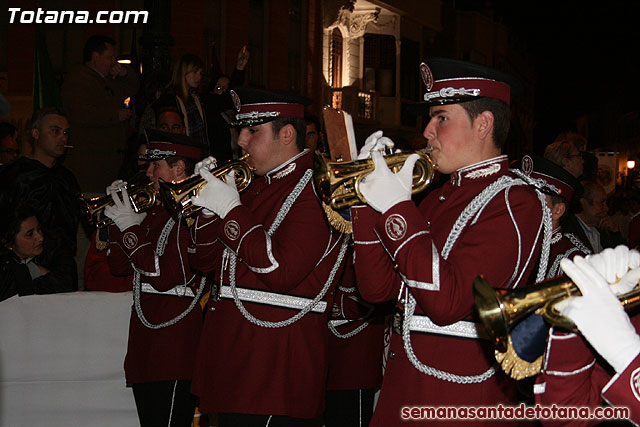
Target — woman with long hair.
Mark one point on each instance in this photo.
(181, 92)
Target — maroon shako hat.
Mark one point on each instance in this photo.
(450, 81)
(550, 178)
(162, 145)
(257, 106)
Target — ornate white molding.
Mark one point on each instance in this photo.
(356, 22)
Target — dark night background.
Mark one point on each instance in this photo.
(586, 59)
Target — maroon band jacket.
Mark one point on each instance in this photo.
(279, 261)
(167, 353)
(483, 221)
(356, 340)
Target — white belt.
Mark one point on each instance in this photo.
(177, 291)
(272, 298)
(461, 329)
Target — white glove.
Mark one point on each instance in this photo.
(116, 186)
(207, 163)
(375, 142)
(382, 188)
(216, 196)
(121, 212)
(618, 267)
(599, 315)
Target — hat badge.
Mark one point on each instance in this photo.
(236, 100)
(427, 76)
(527, 165)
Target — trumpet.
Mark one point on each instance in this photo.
(177, 196)
(499, 309)
(338, 183)
(142, 198)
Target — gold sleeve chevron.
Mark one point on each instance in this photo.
(516, 367)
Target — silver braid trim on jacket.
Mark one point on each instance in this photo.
(471, 213)
(282, 213)
(137, 287)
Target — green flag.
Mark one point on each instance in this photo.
(46, 92)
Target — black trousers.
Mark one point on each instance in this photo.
(250, 420)
(164, 403)
(348, 408)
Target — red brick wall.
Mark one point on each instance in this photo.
(94, 6)
(278, 50)
(237, 31)
(186, 27)
(20, 52)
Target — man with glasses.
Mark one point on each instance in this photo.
(42, 180)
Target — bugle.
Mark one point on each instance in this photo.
(338, 183)
(142, 198)
(500, 309)
(177, 196)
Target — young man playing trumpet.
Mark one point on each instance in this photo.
(166, 318)
(483, 221)
(262, 357)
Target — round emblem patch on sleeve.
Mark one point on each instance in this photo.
(396, 227)
(130, 240)
(232, 230)
(634, 383)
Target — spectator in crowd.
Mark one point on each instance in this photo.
(43, 181)
(93, 94)
(182, 94)
(314, 134)
(9, 149)
(217, 102)
(601, 230)
(29, 264)
(169, 119)
(152, 90)
(564, 152)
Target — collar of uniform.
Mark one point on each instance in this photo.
(284, 169)
(481, 169)
(556, 235)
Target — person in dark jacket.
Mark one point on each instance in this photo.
(30, 263)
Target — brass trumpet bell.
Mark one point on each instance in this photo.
(500, 309)
(142, 198)
(338, 183)
(177, 196)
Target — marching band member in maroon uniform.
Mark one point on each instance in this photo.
(263, 352)
(166, 318)
(558, 185)
(485, 220)
(528, 338)
(356, 351)
(572, 373)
